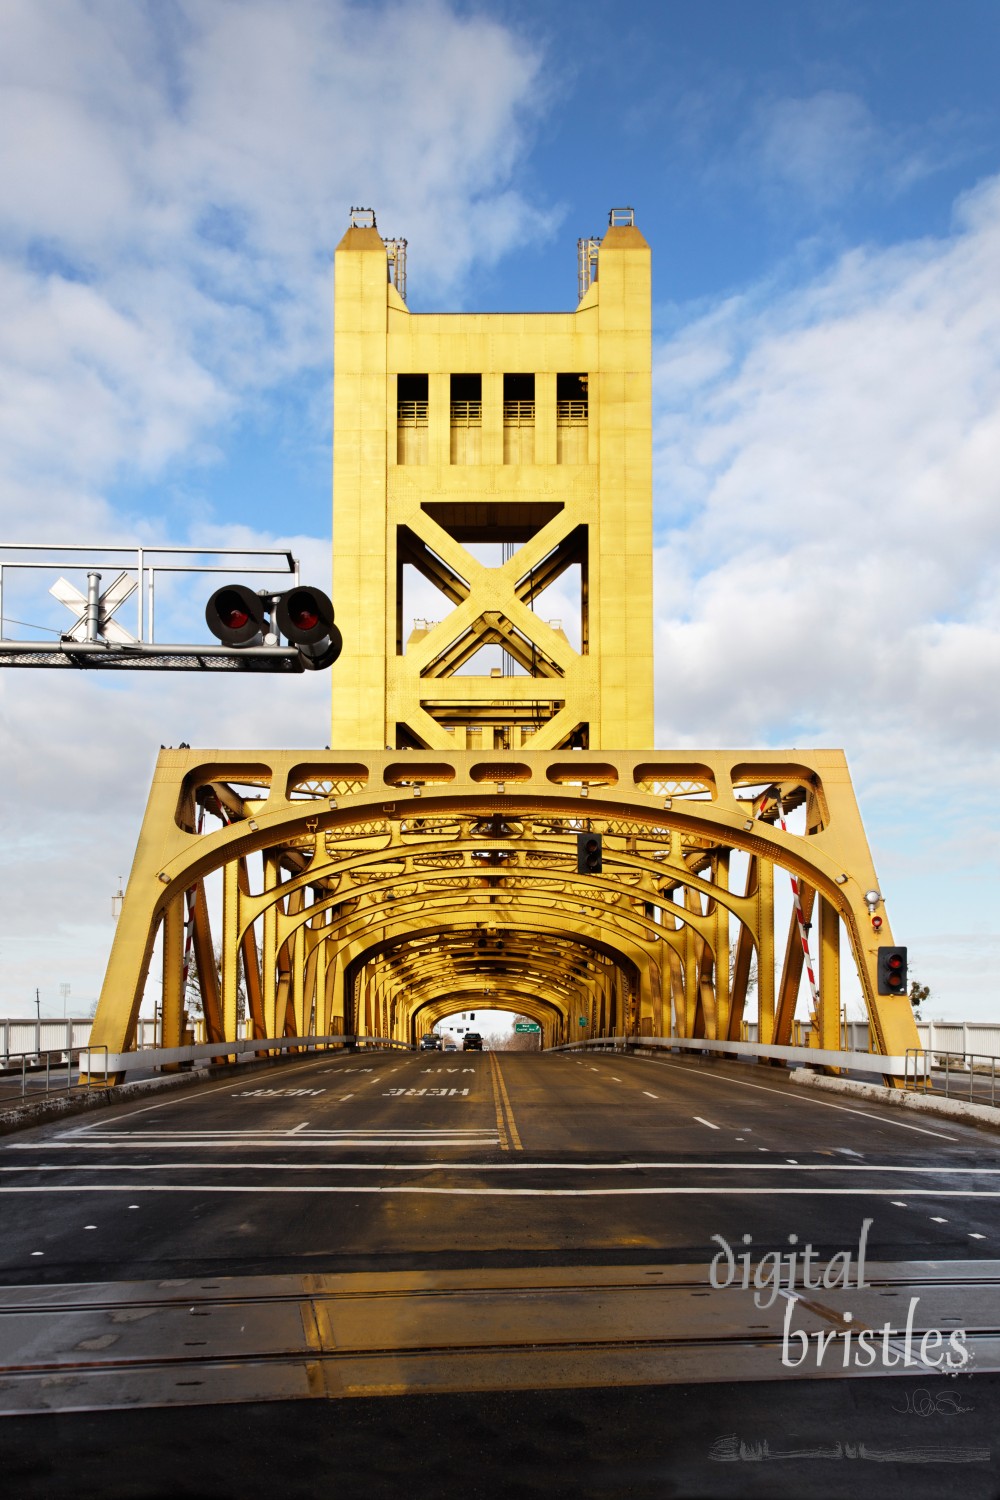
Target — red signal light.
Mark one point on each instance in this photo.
(304, 618)
(876, 923)
(891, 971)
(236, 615)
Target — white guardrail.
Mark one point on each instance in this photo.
(158, 1057)
(819, 1057)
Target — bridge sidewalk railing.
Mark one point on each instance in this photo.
(816, 1057)
(28, 1074)
(110, 1065)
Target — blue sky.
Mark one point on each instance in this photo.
(821, 188)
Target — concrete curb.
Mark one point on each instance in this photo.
(925, 1104)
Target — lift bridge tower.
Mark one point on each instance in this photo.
(493, 826)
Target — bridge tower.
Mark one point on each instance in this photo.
(484, 466)
(490, 455)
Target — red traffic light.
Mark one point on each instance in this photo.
(891, 971)
(589, 854)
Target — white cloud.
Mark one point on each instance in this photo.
(839, 449)
(173, 183)
(818, 149)
(828, 566)
(816, 145)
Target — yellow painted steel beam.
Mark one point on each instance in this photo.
(372, 841)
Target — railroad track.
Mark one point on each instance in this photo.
(216, 1340)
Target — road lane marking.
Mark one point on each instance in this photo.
(936, 1220)
(486, 1192)
(802, 1099)
(509, 1112)
(705, 1122)
(976, 1236)
(617, 1080)
(461, 1139)
(299, 1127)
(498, 1106)
(183, 1096)
(458, 1137)
(649, 1095)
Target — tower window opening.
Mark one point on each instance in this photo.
(411, 419)
(519, 419)
(571, 419)
(466, 419)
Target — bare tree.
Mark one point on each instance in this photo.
(515, 1041)
(193, 998)
(752, 980)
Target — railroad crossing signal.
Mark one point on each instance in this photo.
(892, 971)
(238, 616)
(589, 860)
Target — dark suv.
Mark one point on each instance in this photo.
(473, 1042)
(430, 1043)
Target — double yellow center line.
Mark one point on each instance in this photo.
(506, 1128)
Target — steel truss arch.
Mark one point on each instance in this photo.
(436, 849)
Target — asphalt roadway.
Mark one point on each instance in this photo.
(499, 1274)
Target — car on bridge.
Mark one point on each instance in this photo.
(473, 1042)
(430, 1043)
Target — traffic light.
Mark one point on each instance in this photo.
(892, 971)
(589, 859)
(237, 616)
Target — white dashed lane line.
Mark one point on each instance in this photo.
(704, 1122)
(804, 1099)
(649, 1095)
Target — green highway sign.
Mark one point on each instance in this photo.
(526, 1026)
